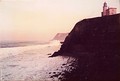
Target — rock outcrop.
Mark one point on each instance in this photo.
(60, 37)
(101, 34)
(96, 43)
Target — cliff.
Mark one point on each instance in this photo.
(96, 43)
(60, 36)
(101, 34)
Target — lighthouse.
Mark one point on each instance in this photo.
(107, 10)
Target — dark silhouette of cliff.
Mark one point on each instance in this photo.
(95, 42)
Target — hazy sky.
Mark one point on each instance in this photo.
(41, 19)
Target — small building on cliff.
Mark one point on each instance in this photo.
(108, 11)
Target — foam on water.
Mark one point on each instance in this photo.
(30, 62)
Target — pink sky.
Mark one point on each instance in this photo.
(40, 20)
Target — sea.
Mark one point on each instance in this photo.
(30, 61)
(9, 44)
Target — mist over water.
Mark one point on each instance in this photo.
(10, 44)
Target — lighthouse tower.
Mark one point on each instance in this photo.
(108, 11)
(104, 9)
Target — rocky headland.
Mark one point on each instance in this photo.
(60, 37)
(95, 43)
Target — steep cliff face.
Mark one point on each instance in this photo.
(60, 36)
(93, 35)
(95, 43)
